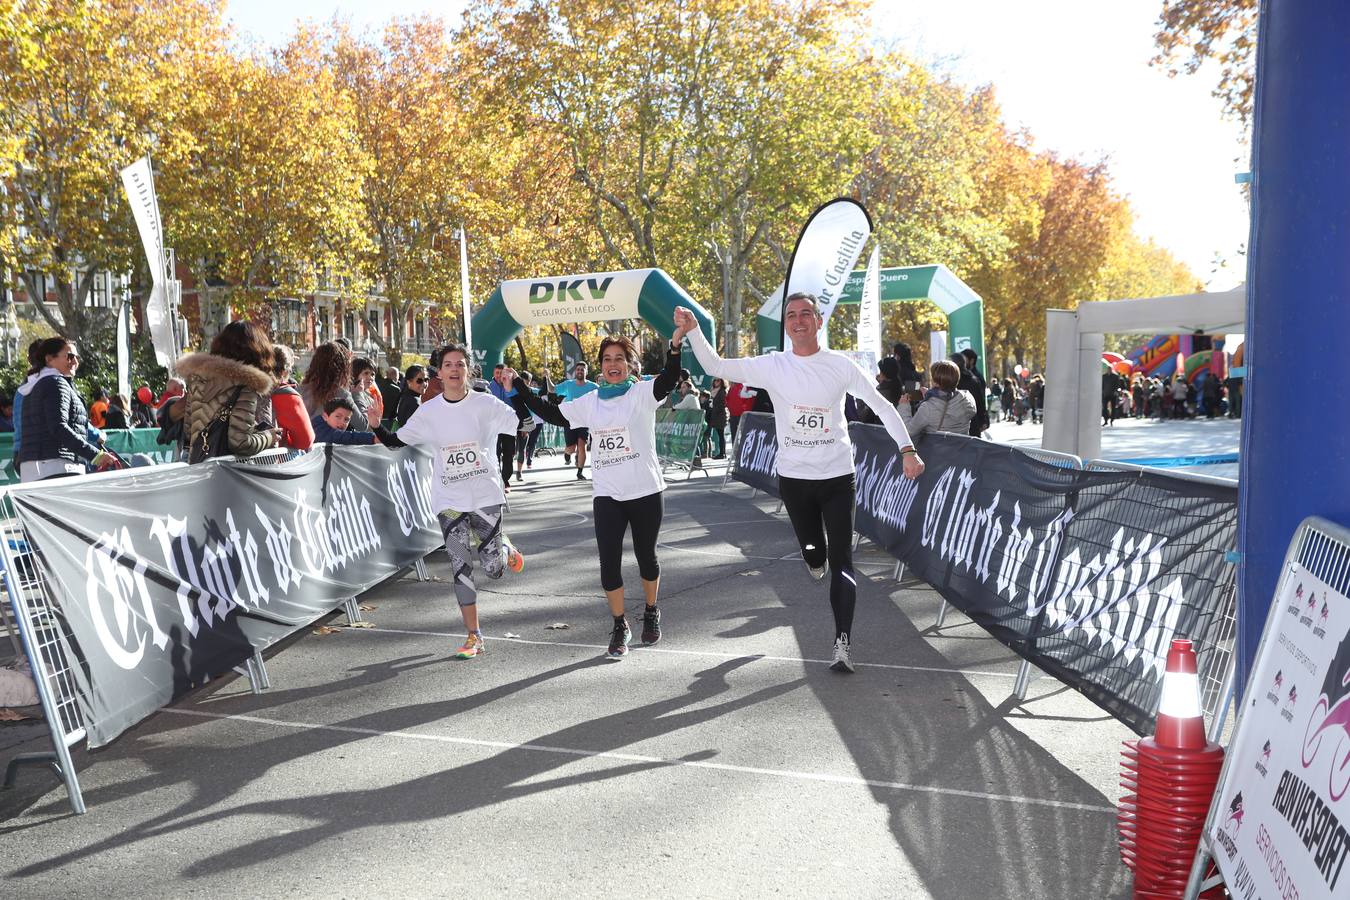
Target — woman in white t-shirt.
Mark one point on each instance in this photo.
(625, 474)
(815, 458)
(462, 426)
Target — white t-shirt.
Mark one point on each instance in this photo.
(465, 475)
(623, 451)
(808, 404)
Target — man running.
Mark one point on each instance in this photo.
(576, 438)
(466, 487)
(815, 457)
(626, 477)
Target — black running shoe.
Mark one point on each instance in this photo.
(580, 477)
(618, 640)
(567, 459)
(651, 625)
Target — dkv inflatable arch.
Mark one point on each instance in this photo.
(649, 294)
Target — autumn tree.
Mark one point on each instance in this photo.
(1190, 32)
(269, 201)
(86, 89)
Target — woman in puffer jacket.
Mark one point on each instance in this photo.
(239, 363)
(54, 421)
(945, 409)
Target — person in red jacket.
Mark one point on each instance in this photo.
(739, 401)
(288, 410)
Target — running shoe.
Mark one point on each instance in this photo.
(473, 646)
(618, 640)
(515, 560)
(843, 659)
(580, 476)
(651, 625)
(567, 459)
(817, 573)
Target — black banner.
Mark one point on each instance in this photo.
(1087, 574)
(167, 578)
(756, 462)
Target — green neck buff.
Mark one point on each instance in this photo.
(609, 391)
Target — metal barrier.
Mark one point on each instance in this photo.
(44, 637)
(1217, 661)
(43, 633)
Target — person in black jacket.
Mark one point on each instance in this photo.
(414, 382)
(974, 384)
(55, 421)
(889, 386)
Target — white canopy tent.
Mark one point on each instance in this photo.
(1073, 338)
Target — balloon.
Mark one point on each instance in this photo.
(145, 395)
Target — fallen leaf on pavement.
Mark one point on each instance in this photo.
(366, 607)
(510, 634)
(751, 572)
(326, 629)
(11, 715)
(557, 626)
(359, 625)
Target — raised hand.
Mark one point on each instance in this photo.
(684, 322)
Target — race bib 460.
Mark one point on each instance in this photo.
(462, 461)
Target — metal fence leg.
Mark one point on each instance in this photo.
(261, 668)
(899, 570)
(1023, 681)
(857, 539)
(351, 609)
(420, 567)
(942, 615)
(59, 762)
(779, 509)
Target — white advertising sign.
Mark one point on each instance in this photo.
(826, 252)
(575, 298)
(869, 316)
(1279, 824)
(139, 181)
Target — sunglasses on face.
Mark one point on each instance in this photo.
(419, 381)
(72, 355)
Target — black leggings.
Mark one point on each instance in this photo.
(822, 517)
(612, 518)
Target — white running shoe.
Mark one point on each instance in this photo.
(843, 660)
(817, 574)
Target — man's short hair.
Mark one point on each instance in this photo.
(498, 367)
(803, 295)
(970, 355)
(337, 403)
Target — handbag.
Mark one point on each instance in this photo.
(214, 439)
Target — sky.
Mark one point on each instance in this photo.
(1074, 73)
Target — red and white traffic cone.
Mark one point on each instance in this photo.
(1170, 780)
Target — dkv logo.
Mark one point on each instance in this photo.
(568, 289)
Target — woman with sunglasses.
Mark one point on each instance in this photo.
(55, 421)
(414, 383)
(628, 488)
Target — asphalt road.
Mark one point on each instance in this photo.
(727, 761)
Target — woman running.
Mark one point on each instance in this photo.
(815, 457)
(463, 425)
(625, 475)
